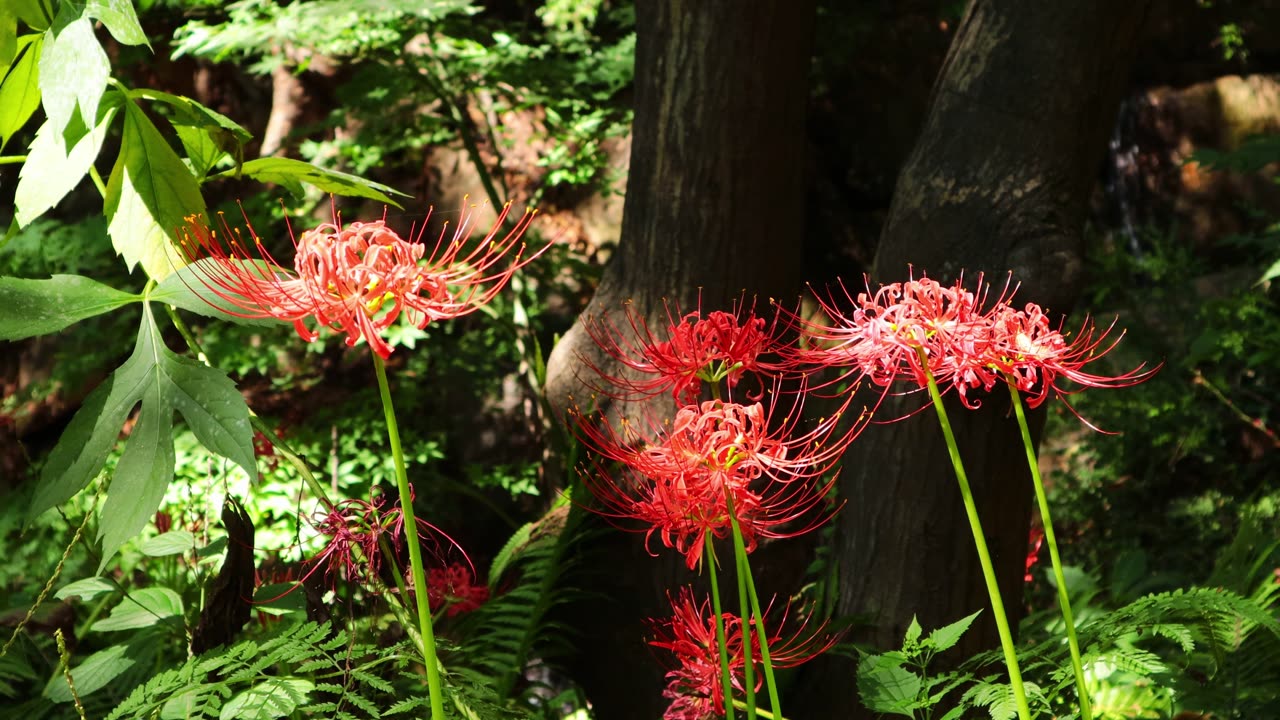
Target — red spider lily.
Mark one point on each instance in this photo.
(358, 279)
(965, 344)
(882, 338)
(694, 683)
(1024, 346)
(679, 478)
(1033, 552)
(695, 348)
(354, 530)
(453, 587)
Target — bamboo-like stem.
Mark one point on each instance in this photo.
(1064, 599)
(419, 575)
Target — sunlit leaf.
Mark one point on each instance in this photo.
(174, 542)
(51, 171)
(120, 19)
(90, 676)
(945, 638)
(20, 90)
(40, 307)
(887, 687)
(74, 70)
(8, 36)
(289, 172)
(86, 589)
(141, 608)
(149, 196)
(268, 700)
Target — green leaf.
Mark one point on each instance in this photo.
(280, 599)
(32, 12)
(268, 700)
(8, 36)
(86, 589)
(945, 638)
(40, 307)
(191, 112)
(120, 19)
(141, 608)
(913, 632)
(1272, 273)
(188, 288)
(288, 172)
(887, 687)
(74, 70)
(206, 135)
(174, 542)
(51, 171)
(90, 676)
(163, 382)
(149, 197)
(20, 90)
(145, 468)
(214, 410)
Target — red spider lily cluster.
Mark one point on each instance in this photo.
(763, 465)
(694, 683)
(695, 350)
(715, 461)
(360, 278)
(453, 587)
(965, 341)
(354, 531)
(760, 466)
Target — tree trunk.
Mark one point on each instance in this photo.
(714, 209)
(999, 181)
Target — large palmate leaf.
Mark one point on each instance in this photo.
(163, 382)
(74, 70)
(40, 307)
(290, 173)
(149, 197)
(53, 169)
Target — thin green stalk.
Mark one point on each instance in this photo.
(980, 542)
(744, 571)
(12, 159)
(1064, 599)
(748, 657)
(725, 677)
(411, 539)
(761, 712)
(97, 181)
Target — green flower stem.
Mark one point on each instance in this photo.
(980, 543)
(744, 572)
(1064, 599)
(725, 677)
(12, 159)
(748, 657)
(411, 539)
(761, 712)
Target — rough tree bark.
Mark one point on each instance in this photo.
(999, 181)
(714, 206)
